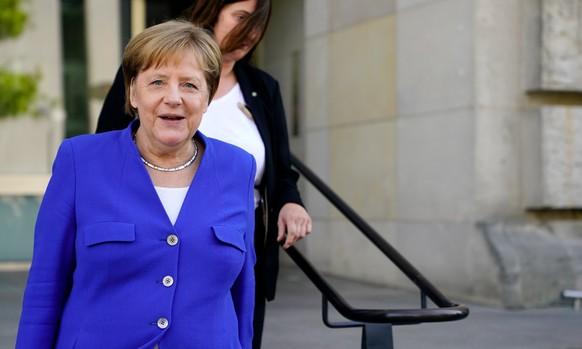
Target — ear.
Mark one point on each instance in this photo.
(132, 97)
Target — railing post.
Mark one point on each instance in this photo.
(377, 336)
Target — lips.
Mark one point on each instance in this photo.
(172, 117)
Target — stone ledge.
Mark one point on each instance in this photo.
(576, 295)
(14, 266)
(536, 261)
(23, 184)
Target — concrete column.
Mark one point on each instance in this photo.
(103, 53)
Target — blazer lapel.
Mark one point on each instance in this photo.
(253, 99)
(203, 189)
(137, 187)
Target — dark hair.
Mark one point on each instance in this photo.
(205, 13)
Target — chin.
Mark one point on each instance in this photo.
(173, 139)
(235, 56)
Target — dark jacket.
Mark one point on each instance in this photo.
(279, 184)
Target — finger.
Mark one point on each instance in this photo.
(281, 231)
(303, 229)
(293, 234)
(301, 232)
(292, 230)
(309, 227)
(289, 242)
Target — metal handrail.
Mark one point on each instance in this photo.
(446, 311)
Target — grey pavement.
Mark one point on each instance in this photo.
(294, 319)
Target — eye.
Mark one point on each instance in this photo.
(190, 85)
(240, 16)
(157, 83)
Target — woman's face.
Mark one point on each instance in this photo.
(170, 100)
(229, 17)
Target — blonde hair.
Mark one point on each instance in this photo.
(167, 43)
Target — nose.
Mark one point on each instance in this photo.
(172, 95)
(253, 38)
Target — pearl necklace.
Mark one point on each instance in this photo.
(171, 169)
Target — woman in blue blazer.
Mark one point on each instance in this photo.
(238, 27)
(144, 237)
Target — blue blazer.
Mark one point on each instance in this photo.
(109, 269)
(279, 185)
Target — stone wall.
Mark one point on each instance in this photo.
(449, 125)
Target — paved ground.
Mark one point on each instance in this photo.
(294, 320)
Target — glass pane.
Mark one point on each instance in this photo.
(74, 67)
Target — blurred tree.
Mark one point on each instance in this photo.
(17, 91)
(12, 19)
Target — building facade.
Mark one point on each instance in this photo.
(453, 127)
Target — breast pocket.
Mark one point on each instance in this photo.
(230, 235)
(109, 232)
(106, 246)
(232, 249)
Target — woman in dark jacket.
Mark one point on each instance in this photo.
(247, 111)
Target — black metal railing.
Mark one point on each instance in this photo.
(376, 323)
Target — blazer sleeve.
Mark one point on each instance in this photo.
(243, 289)
(53, 261)
(286, 183)
(112, 115)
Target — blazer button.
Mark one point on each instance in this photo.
(172, 240)
(168, 281)
(163, 323)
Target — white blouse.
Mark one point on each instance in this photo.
(225, 120)
(172, 200)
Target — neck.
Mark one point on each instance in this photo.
(227, 68)
(162, 155)
(227, 79)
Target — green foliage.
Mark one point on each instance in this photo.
(17, 92)
(12, 19)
